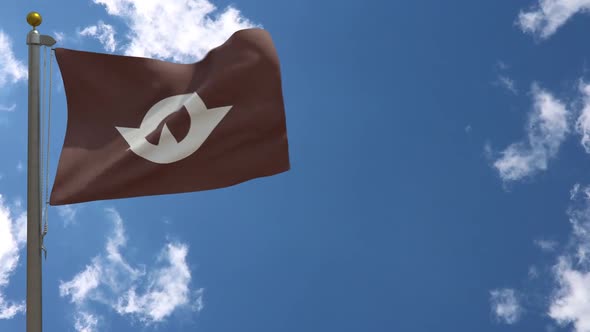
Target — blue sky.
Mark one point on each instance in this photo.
(439, 181)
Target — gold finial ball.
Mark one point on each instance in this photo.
(34, 19)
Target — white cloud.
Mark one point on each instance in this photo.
(181, 30)
(569, 297)
(583, 122)
(13, 234)
(578, 190)
(86, 322)
(149, 296)
(20, 167)
(10, 309)
(105, 34)
(82, 284)
(505, 305)
(11, 69)
(547, 16)
(68, 213)
(579, 218)
(570, 302)
(546, 130)
(546, 245)
(167, 289)
(108, 270)
(118, 273)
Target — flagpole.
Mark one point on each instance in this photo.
(34, 290)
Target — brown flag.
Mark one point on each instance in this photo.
(140, 127)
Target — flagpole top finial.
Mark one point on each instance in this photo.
(34, 19)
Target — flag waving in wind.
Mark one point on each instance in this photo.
(140, 126)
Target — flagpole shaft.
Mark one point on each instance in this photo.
(34, 280)
(34, 284)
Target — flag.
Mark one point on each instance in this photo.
(139, 126)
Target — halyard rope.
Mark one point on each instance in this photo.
(45, 139)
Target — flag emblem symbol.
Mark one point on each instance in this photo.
(168, 150)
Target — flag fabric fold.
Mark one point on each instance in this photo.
(139, 127)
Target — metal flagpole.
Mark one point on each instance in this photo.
(34, 306)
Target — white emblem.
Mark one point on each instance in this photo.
(168, 150)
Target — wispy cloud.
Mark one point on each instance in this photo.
(10, 108)
(503, 80)
(502, 65)
(179, 30)
(505, 305)
(575, 190)
(507, 83)
(12, 239)
(148, 295)
(67, 213)
(11, 69)
(59, 36)
(545, 17)
(20, 166)
(546, 245)
(105, 34)
(82, 284)
(547, 129)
